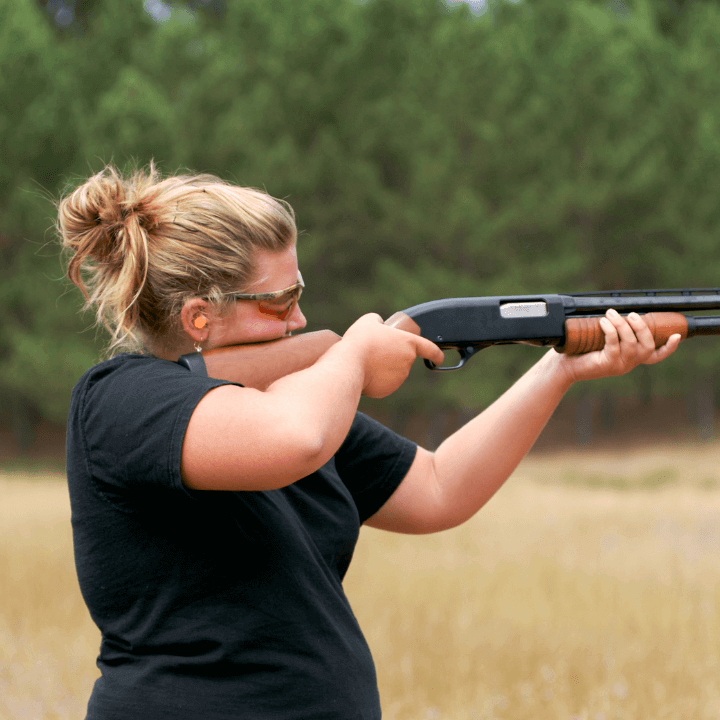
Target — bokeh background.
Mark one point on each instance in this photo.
(430, 149)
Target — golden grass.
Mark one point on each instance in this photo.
(48, 643)
(556, 602)
(589, 588)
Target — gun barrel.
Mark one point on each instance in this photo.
(698, 326)
(642, 301)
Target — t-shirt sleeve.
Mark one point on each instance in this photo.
(131, 414)
(372, 462)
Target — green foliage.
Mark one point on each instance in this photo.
(544, 146)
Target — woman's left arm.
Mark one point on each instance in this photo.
(447, 487)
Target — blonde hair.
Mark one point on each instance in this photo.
(141, 246)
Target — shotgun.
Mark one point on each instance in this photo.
(569, 323)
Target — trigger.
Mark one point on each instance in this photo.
(465, 352)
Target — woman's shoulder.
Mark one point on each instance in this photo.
(129, 378)
(130, 364)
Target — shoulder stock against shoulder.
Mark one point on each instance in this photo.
(259, 365)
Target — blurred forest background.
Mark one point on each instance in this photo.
(430, 149)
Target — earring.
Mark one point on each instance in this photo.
(198, 347)
(200, 322)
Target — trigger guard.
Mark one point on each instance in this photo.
(465, 351)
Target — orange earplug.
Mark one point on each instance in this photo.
(199, 322)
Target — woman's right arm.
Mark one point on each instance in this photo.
(245, 439)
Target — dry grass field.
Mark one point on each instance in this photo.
(588, 589)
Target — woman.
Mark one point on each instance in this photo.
(229, 604)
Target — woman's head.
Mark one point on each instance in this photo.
(142, 246)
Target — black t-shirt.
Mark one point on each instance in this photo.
(216, 605)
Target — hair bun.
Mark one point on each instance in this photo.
(104, 214)
(105, 225)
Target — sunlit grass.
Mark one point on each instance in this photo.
(555, 601)
(588, 588)
(48, 643)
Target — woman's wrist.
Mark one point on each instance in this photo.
(344, 359)
(559, 370)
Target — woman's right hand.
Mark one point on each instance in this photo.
(240, 438)
(386, 354)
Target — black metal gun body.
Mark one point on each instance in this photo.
(471, 324)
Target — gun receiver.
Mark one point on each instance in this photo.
(569, 323)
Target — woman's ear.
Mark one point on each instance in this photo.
(195, 318)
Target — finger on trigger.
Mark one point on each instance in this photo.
(430, 351)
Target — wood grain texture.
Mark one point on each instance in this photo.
(583, 335)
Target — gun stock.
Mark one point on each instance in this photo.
(259, 365)
(569, 323)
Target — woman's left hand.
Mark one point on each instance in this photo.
(628, 343)
(445, 488)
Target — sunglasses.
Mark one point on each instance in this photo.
(280, 303)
